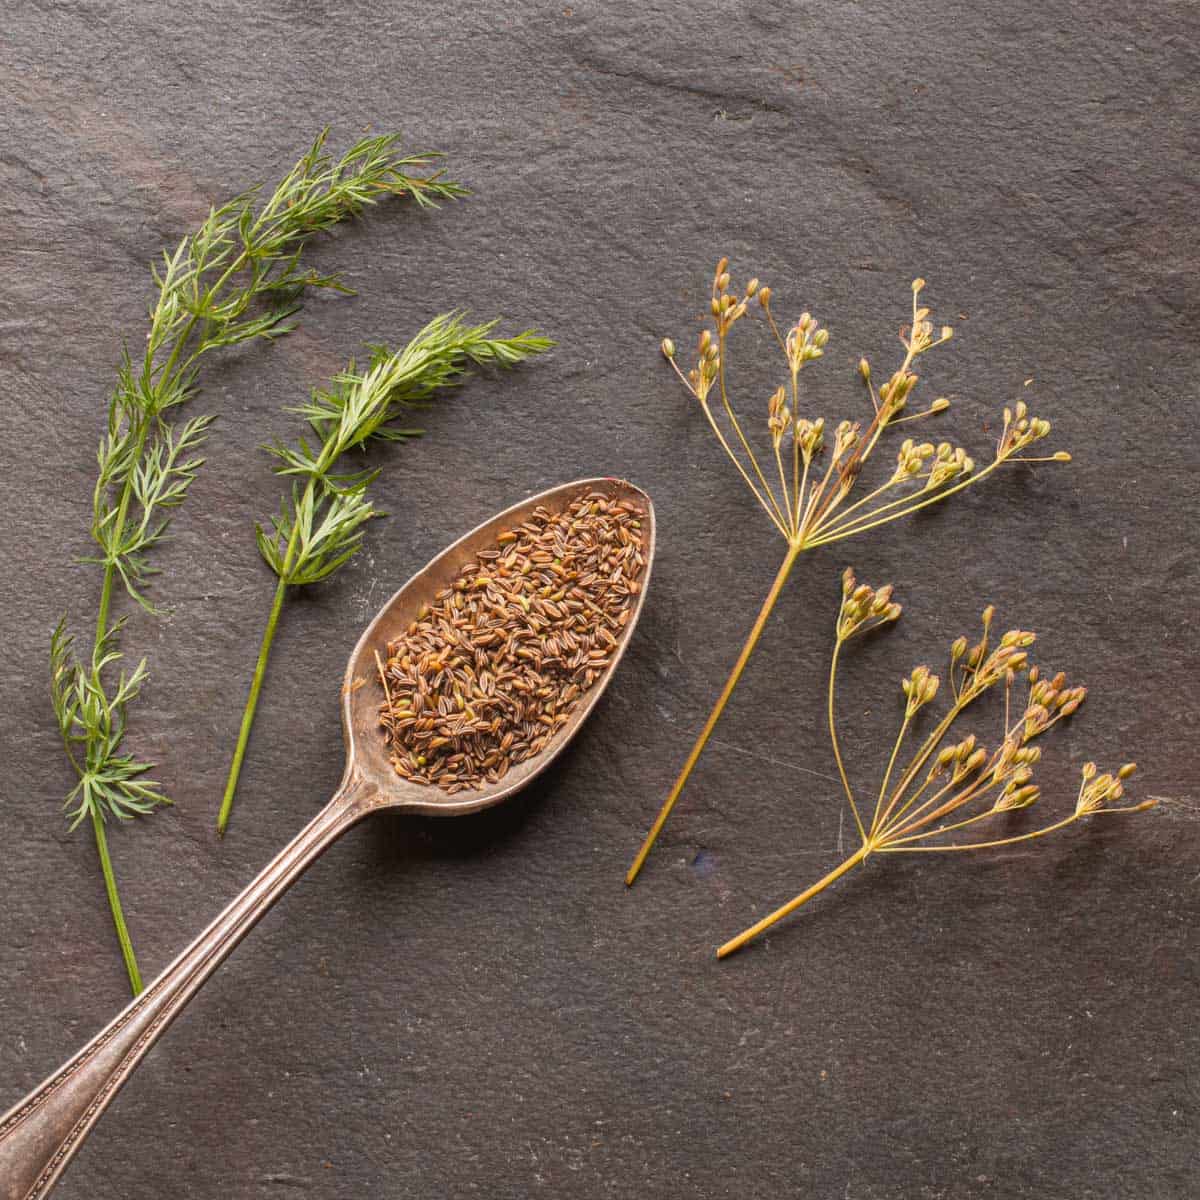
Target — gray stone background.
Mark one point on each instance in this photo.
(479, 1007)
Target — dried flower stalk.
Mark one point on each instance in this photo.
(806, 498)
(949, 785)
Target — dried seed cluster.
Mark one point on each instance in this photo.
(948, 796)
(808, 484)
(864, 607)
(488, 673)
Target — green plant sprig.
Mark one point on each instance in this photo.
(949, 786)
(237, 278)
(805, 500)
(320, 526)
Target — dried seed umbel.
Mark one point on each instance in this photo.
(950, 786)
(491, 670)
(807, 499)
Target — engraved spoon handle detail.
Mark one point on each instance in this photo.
(41, 1133)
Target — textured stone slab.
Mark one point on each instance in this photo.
(479, 1007)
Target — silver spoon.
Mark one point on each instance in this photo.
(39, 1135)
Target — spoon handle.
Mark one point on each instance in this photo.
(41, 1133)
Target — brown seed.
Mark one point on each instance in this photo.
(522, 633)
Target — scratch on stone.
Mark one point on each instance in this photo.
(1178, 806)
(682, 87)
(778, 762)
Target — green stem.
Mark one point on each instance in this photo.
(114, 902)
(110, 567)
(713, 717)
(260, 670)
(105, 601)
(110, 881)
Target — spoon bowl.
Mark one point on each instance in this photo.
(41, 1133)
(367, 757)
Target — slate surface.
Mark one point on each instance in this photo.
(479, 1007)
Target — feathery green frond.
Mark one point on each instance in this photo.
(237, 278)
(321, 526)
(91, 714)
